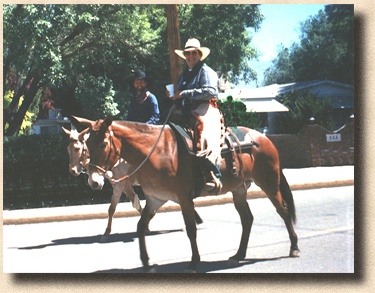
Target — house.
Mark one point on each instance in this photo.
(264, 100)
(340, 94)
(51, 125)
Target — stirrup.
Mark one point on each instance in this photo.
(213, 186)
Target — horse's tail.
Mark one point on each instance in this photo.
(287, 195)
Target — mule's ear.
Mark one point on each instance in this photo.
(108, 121)
(84, 135)
(84, 121)
(66, 131)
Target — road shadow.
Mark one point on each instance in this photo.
(122, 237)
(203, 267)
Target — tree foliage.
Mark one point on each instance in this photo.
(235, 114)
(222, 28)
(85, 54)
(325, 50)
(303, 107)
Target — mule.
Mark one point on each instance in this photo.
(169, 174)
(79, 158)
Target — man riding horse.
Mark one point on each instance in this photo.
(196, 94)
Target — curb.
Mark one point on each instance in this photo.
(168, 207)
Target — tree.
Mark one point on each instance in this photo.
(302, 107)
(85, 54)
(282, 70)
(325, 51)
(223, 29)
(71, 49)
(235, 114)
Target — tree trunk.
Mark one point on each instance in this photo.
(10, 112)
(173, 42)
(15, 124)
(5, 72)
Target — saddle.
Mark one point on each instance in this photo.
(234, 144)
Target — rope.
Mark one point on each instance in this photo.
(149, 155)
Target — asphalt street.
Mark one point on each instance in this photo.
(325, 226)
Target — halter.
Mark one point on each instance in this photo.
(106, 171)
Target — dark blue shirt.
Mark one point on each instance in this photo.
(201, 83)
(147, 112)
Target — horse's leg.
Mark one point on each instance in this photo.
(287, 196)
(116, 195)
(282, 199)
(198, 219)
(247, 218)
(189, 213)
(133, 197)
(149, 211)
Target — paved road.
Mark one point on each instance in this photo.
(325, 227)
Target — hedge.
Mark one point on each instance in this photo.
(35, 174)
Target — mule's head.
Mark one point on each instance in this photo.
(77, 150)
(102, 146)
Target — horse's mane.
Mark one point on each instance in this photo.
(136, 126)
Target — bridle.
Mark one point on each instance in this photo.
(108, 173)
(106, 170)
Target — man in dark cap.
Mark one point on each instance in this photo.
(143, 105)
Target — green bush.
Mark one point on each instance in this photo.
(235, 114)
(34, 148)
(36, 174)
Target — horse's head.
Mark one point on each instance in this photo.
(103, 148)
(78, 153)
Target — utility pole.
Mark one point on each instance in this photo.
(173, 42)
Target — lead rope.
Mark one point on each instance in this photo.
(149, 155)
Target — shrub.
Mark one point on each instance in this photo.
(235, 114)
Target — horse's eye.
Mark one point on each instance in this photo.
(103, 146)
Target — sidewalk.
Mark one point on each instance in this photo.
(307, 178)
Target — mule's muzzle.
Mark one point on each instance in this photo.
(75, 171)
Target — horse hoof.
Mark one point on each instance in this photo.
(201, 226)
(233, 263)
(103, 239)
(295, 253)
(150, 269)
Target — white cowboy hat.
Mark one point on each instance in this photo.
(193, 44)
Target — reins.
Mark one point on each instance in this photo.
(109, 177)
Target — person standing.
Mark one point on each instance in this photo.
(197, 90)
(143, 106)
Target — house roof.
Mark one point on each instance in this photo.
(306, 85)
(341, 94)
(264, 106)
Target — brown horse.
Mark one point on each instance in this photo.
(79, 158)
(168, 174)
